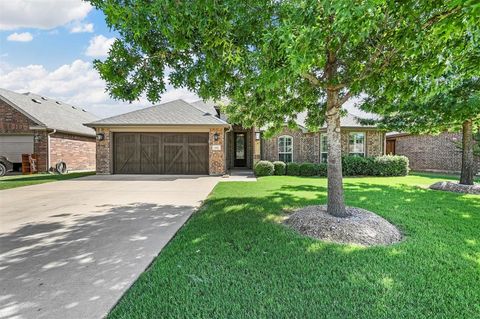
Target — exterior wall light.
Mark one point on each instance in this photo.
(257, 136)
(215, 136)
(100, 137)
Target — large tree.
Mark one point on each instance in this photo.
(272, 59)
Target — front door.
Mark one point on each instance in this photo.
(240, 150)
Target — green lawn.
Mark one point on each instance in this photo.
(13, 181)
(233, 259)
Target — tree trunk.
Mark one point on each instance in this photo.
(336, 205)
(468, 164)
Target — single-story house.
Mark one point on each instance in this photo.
(434, 153)
(195, 138)
(53, 130)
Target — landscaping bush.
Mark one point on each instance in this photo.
(357, 166)
(293, 169)
(387, 165)
(280, 168)
(308, 169)
(263, 168)
(391, 165)
(322, 169)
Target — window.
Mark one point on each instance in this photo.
(285, 149)
(356, 144)
(323, 148)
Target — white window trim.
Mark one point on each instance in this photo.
(364, 143)
(323, 152)
(278, 146)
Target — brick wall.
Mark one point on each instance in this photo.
(375, 143)
(432, 153)
(306, 146)
(216, 157)
(13, 122)
(40, 148)
(104, 152)
(78, 152)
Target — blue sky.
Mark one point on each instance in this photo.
(55, 47)
(47, 47)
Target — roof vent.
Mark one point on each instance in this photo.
(73, 107)
(84, 110)
(58, 102)
(44, 98)
(36, 101)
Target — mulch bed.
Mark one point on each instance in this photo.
(362, 227)
(456, 187)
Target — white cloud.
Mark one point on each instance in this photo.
(77, 84)
(82, 27)
(99, 46)
(42, 14)
(20, 37)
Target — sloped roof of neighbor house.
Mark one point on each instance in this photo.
(49, 113)
(172, 113)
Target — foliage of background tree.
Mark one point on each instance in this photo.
(274, 59)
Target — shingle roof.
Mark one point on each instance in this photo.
(349, 120)
(50, 113)
(206, 106)
(176, 112)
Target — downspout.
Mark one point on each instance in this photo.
(48, 149)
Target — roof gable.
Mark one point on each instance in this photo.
(50, 113)
(177, 112)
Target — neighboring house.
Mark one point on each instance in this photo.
(435, 153)
(195, 138)
(53, 130)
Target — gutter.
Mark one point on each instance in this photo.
(95, 125)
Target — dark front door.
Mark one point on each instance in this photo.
(161, 153)
(240, 149)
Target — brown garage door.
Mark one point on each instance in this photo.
(160, 153)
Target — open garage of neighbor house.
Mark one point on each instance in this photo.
(172, 138)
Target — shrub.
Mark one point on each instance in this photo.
(357, 165)
(308, 169)
(293, 169)
(263, 168)
(387, 165)
(391, 165)
(322, 169)
(279, 168)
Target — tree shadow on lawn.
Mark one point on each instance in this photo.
(234, 259)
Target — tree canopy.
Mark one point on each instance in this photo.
(275, 59)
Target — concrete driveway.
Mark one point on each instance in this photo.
(70, 249)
